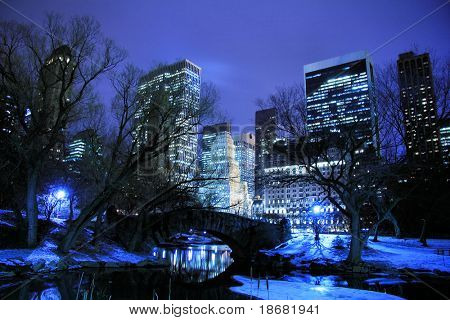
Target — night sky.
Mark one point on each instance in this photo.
(248, 48)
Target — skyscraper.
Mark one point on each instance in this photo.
(85, 143)
(53, 83)
(340, 96)
(265, 136)
(223, 188)
(444, 131)
(245, 156)
(54, 80)
(180, 84)
(8, 122)
(418, 102)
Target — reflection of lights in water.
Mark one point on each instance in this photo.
(202, 252)
(197, 263)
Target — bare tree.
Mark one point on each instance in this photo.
(48, 77)
(391, 113)
(346, 168)
(137, 172)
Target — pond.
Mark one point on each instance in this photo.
(199, 269)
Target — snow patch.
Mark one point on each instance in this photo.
(284, 290)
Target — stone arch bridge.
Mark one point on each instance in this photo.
(243, 235)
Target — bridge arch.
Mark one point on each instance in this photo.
(243, 235)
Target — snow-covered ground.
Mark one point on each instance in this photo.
(46, 258)
(392, 252)
(47, 255)
(298, 290)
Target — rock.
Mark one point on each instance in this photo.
(360, 269)
(90, 264)
(7, 274)
(38, 265)
(62, 264)
(113, 264)
(317, 266)
(145, 263)
(52, 265)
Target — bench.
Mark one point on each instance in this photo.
(443, 251)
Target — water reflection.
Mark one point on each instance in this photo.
(105, 284)
(196, 263)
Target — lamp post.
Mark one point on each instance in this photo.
(60, 195)
(316, 210)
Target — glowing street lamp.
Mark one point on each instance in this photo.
(61, 194)
(317, 209)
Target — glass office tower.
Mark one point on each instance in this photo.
(245, 156)
(178, 85)
(418, 102)
(340, 97)
(223, 188)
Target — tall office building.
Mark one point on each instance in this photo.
(245, 156)
(265, 136)
(444, 131)
(340, 96)
(175, 87)
(223, 188)
(53, 83)
(54, 80)
(418, 102)
(84, 144)
(8, 122)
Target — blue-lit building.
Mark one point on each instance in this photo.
(179, 84)
(340, 96)
(223, 188)
(245, 156)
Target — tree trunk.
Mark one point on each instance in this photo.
(85, 216)
(375, 237)
(394, 222)
(423, 238)
(354, 256)
(32, 212)
(19, 224)
(97, 228)
(71, 200)
(137, 236)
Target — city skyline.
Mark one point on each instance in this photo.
(278, 44)
(257, 150)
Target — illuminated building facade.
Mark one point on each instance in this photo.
(223, 188)
(245, 156)
(339, 93)
(418, 102)
(296, 200)
(179, 84)
(8, 123)
(445, 142)
(84, 144)
(55, 75)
